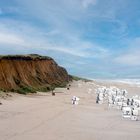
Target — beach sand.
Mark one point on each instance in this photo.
(46, 117)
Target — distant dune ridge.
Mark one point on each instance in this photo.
(30, 72)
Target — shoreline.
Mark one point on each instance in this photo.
(131, 82)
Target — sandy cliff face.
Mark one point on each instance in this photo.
(31, 70)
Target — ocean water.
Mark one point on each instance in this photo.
(135, 82)
(129, 81)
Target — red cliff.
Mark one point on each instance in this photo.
(30, 71)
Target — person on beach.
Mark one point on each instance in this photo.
(97, 99)
(53, 93)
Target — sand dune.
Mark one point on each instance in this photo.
(46, 117)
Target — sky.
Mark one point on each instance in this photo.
(90, 38)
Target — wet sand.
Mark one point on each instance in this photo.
(46, 117)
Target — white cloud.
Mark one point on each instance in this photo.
(69, 51)
(82, 49)
(131, 55)
(64, 16)
(7, 38)
(68, 36)
(15, 33)
(130, 59)
(87, 3)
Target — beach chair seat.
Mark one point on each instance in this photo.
(134, 118)
(126, 112)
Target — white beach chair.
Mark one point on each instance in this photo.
(126, 112)
(75, 100)
(135, 114)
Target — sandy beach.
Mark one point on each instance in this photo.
(47, 117)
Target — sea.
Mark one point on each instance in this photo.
(134, 82)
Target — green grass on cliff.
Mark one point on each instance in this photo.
(25, 57)
(24, 89)
(76, 78)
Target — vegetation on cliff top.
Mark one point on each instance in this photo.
(25, 57)
(76, 78)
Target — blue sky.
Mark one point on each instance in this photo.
(90, 38)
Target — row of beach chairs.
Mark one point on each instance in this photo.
(117, 98)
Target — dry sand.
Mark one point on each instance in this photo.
(46, 117)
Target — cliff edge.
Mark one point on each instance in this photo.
(30, 71)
